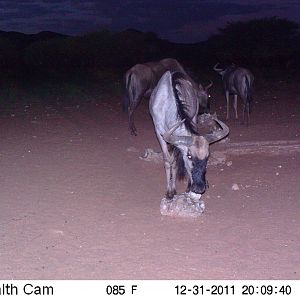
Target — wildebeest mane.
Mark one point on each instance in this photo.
(182, 108)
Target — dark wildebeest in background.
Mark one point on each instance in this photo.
(239, 82)
(141, 79)
(174, 107)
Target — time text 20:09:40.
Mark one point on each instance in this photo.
(230, 290)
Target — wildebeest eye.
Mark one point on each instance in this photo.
(189, 156)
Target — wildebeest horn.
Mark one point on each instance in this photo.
(176, 140)
(217, 134)
(217, 69)
(209, 86)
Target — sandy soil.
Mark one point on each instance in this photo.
(78, 203)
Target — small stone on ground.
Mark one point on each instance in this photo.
(182, 205)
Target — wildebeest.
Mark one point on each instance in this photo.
(141, 79)
(239, 82)
(174, 106)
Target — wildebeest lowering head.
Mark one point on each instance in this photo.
(194, 153)
(174, 107)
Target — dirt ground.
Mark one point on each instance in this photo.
(78, 203)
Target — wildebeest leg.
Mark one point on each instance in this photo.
(170, 180)
(248, 113)
(227, 102)
(131, 120)
(132, 107)
(170, 168)
(246, 107)
(173, 178)
(235, 106)
(188, 187)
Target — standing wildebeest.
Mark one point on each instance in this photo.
(141, 79)
(174, 107)
(237, 81)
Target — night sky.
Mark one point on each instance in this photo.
(184, 21)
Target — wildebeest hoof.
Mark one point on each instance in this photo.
(134, 132)
(170, 195)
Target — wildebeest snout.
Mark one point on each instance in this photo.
(199, 182)
(198, 189)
